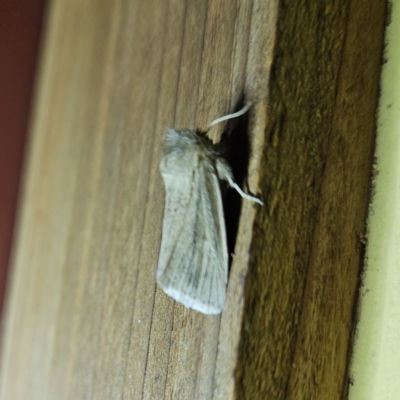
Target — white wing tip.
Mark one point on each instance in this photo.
(194, 303)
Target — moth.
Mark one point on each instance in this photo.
(193, 260)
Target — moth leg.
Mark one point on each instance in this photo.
(224, 172)
(235, 186)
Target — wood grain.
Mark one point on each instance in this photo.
(85, 319)
(306, 253)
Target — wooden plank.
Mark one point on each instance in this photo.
(85, 318)
(307, 254)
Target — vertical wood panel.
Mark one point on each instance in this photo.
(307, 256)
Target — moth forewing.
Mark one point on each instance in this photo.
(193, 262)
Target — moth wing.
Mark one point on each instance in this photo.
(193, 262)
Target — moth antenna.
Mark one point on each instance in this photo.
(230, 116)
